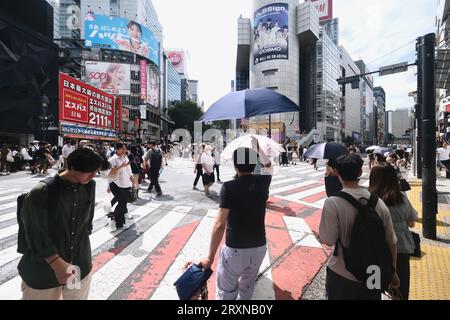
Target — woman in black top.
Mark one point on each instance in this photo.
(136, 167)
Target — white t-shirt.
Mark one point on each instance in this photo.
(338, 216)
(207, 161)
(123, 179)
(217, 157)
(444, 154)
(67, 150)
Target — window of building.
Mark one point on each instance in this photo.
(269, 72)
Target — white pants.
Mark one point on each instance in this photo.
(237, 271)
(58, 293)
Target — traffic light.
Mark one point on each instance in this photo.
(353, 80)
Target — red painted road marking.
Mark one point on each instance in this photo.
(315, 198)
(146, 281)
(301, 189)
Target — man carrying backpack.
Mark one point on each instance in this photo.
(55, 221)
(153, 160)
(360, 227)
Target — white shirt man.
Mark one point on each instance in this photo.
(444, 153)
(66, 151)
(124, 175)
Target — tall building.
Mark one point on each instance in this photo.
(269, 49)
(367, 107)
(443, 75)
(193, 89)
(351, 99)
(328, 94)
(379, 115)
(401, 124)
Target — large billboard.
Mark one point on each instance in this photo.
(177, 58)
(84, 104)
(325, 9)
(113, 78)
(271, 33)
(121, 34)
(153, 88)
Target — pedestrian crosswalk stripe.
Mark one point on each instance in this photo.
(9, 231)
(10, 290)
(195, 249)
(264, 284)
(103, 235)
(288, 180)
(318, 174)
(9, 216)
(2, 192)
(110, 276)
(304, 194)
(13, 196)
(293, 186)
(8, 255)
(7, 206)
(300, 232)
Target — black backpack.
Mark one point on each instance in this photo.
(368, 245)
(22, 244)
(155, 159)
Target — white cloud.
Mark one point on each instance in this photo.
(369, 29)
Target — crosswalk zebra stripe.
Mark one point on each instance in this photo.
(293, 186)
(103, 235)
(110, 276)
(8, 216)
(8, 255)
(10, 197)
(288, 180)
(2, 192)
(300, 232)
(7, 206)
(304, 194)
(194, 250)
(10, 290)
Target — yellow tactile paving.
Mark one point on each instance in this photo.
(430, 275)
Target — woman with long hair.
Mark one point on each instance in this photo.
(385, 184)
(115, 75)
(136, 167)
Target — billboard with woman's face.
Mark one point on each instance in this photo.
(113, 78)
(271, 31)
(153, 88)
(121, 34)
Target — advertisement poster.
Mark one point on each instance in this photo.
(84, 104)
(122, 34)
(153, 88)
(113, 78)
(177, 60)
(143, 74)
(271, 33)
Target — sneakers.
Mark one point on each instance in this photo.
(125, 226)
(112, 225)
(129, 216)
(159, 194)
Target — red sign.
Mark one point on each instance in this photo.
(118, 110)
(83, 103)
(325, 9)
(143, 70)
(447, 108)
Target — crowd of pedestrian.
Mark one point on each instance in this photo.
(366, 226)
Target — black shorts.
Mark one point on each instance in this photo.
(208, 179)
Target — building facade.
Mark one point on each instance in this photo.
(443, 86)
(379, 115)
(351, 99)
(400, 125)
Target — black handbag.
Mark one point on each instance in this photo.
(132, 195)
(417, 252)
(404, 185)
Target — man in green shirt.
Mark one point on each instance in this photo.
(58, 260)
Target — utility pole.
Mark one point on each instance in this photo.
(418, 110)
(429, 192)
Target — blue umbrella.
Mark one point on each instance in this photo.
(249, 103)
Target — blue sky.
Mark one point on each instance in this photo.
(369, 29)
